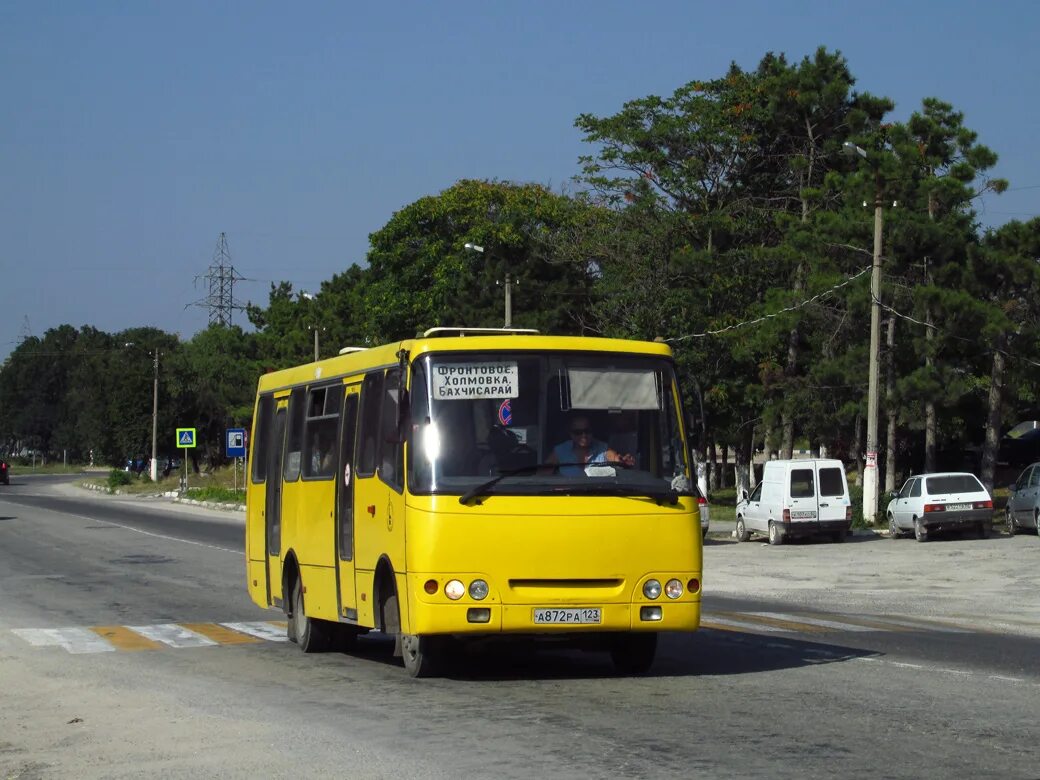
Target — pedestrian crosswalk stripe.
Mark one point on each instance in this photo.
(220, 634)
(124, 638)
(272, 631)
(173, 635)
(73, 640)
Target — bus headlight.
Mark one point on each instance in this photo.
(454, 590)
(673, 589)
(478, 590)
(651, 589)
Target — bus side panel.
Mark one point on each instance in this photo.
(290, 511)
(379, 528)
(314, 535)
(256, 570)
(320, 595)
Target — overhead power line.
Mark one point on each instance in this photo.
(765, 317)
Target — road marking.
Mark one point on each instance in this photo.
(220, 634)
(272, 631)
(73, 640)
(724, 624)
(122, 638)
(173, 635)
(796, 619)
(779, 621)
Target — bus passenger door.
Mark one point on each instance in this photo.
(273, 509)
(345, 506)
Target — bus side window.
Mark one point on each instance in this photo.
(371, 396)
(261, 434)
(391, 460)
(294, 439)
(321, 427)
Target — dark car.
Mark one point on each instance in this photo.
(5, 472)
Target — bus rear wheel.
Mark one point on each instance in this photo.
(312, 635)
(633, 653)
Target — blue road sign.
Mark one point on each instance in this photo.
(185, 438)
(236, 442)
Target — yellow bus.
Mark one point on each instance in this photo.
(476, 483)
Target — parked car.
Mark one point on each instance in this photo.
(705, 511)
(1023, 504)
(137, 465)
(797, 498)
(5, 472)
(949, 501)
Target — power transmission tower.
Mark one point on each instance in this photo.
(26, 332)
(220, 281)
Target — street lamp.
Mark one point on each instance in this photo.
(314, 328)
(870, 471)
(153, 468)
(509, 286)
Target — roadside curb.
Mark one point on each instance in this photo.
(171, 495)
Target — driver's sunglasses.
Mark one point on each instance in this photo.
(580, 431)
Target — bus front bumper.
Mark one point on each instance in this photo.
(496, 618)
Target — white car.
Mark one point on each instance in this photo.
(1023, 505)
(950, 501)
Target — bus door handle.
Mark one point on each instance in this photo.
(824, 504)
(372, 509)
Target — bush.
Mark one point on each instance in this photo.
(118, 478)
(221, 494)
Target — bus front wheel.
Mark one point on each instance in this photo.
(419, 653)
(313, 636)
(634, 653)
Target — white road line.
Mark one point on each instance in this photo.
(813, 621)
(1006, 679)
(260, 630)
(750, 627)
(173, 635)
(919, 626)
(74, 640)
(146, 533)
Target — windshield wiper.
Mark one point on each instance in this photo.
(669, 496)
(484, 487)
(665, 496)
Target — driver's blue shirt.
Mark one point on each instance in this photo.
(565, 453)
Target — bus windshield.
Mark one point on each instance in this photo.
(545, 424)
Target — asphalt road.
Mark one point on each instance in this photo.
(873, 658)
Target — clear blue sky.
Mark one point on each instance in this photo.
(133, 133)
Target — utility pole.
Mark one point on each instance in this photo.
(155, 419)
(870, 468)
(870, 473)
(508, 286)
(509, 301)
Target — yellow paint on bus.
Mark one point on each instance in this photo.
(474, 484)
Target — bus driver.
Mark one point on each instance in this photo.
(582, 449)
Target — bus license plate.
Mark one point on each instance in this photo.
(567, 616)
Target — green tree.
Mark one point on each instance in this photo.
(420, 275)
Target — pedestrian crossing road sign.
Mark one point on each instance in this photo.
(185, 438)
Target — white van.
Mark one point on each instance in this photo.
(797, 498)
